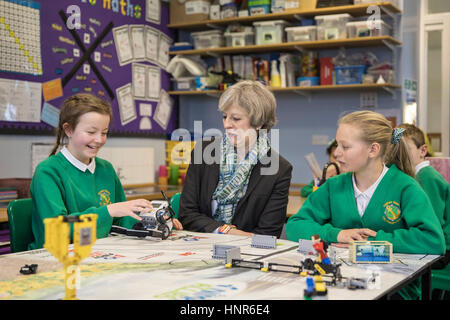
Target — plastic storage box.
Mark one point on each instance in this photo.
(256, 7)
(239, 39)
(308, 33)
(331, 27)
(208, 39)
(349, 74)
(269, 32)
(387, 75)
(185, 84)
(308, 81)
(372, 1)
(373, 28)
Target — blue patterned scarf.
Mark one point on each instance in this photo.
(234, 176)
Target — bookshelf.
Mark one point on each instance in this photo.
(359, 10)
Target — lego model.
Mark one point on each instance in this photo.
(227, 253)
(57, 240)
(264, 242)
(156, 223)
(314, 287)
(305, 246)
(29, 269)
(321, 247)
(356, 283)
(370, 252)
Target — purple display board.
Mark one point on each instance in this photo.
(63, 57)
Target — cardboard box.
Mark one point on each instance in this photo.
(300, 5)
(326, 71)
(183, 11)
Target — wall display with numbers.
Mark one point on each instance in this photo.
(50, 50)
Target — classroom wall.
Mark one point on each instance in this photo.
(16, 156)
(299, 118)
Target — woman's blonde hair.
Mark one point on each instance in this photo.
(376, 128)
(255, 98)
(73, 108)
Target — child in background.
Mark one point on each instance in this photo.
(74, 181)
(331, 170)
(434, 185)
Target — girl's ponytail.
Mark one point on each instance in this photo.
(397, 153)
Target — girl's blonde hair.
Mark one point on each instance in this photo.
(376, 128)
(255, 98)
(73, 108)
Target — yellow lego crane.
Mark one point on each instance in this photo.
(57, 240)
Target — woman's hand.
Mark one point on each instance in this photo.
(238, 232)
(349, 235)
(177, 224)
(129, 208)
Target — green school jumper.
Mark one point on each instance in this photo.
(307, 190)
(59, 188)
(399, 211)
(438, 190)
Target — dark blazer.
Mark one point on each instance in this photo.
(262, 210)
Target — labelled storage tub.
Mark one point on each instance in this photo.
(308, 81)
(332, 27)
(239, 39)
(208, 39)
(349, 74)
(373, 28)
(307, 33)
(184, 84)
(270, 32)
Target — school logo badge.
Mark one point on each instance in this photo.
(392, 212)
(105, 199)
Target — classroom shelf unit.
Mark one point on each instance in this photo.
(303, 91)
(291, 15)
(390, 42)
(294, 46)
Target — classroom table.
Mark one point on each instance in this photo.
(153, 192)
(182, 267)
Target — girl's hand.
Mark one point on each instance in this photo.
(177, 224)
(129, 208)
(349, 235)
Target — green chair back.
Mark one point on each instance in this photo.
(175, 203)
(440, 279)
(19, 219)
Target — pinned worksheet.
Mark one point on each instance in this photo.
(127, 109)
(163, 51)
(153, 83)
(163, 110)
(151, 44)
(153, 11)
(20, 100)
(139, 80)
(138, 42)
(123, 44)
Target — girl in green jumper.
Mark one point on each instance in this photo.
(74, 181)
(432, 182)
(371, 200)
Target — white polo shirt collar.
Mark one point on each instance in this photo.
(422, 165)
(77, 163)
(363, 198)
